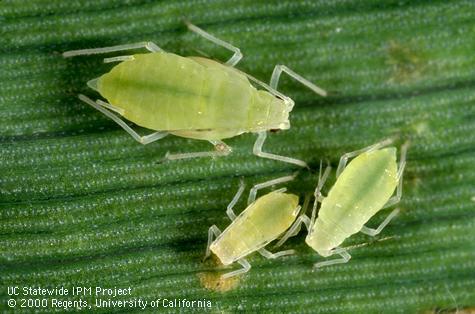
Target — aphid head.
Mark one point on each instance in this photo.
(324, 249)
(221, 250)
(270, 112)
(280, 108)
(320, 240)
(289, 103)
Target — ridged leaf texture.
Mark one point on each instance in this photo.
(83, 204)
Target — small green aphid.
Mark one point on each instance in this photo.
(260, 223)
(192, 97)
(361, 190)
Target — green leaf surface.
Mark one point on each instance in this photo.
(83, 204)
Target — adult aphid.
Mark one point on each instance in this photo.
(260, 223)
(192, 97)
(361, 190)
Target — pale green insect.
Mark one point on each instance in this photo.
(261, 222)
(361, 190)
(191, 97)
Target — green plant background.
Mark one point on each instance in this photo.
(83, 204)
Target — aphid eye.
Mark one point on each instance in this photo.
(274, 130)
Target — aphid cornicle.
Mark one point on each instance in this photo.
(192, 97)
(361, 190)
(260, 223)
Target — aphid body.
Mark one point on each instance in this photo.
(361, 190)
(261, 222)
(191, 97)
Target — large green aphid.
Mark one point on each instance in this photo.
(191, 97)
(261, 222)
(361, 190)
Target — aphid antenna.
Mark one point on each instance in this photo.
(201, 52)
(306, 202)
(387, 141)
(402, 159)
(297, 210)
(320, 170)
(255, 188)
(281, 190)
(356, 246)
(406, 145)
(317, 194)
(108, 106)
(270, 89)
(383, 143)
(295, 174)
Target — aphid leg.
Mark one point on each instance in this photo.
(346, 156)
(296, 226)
(221, 149)
(257, 150)
(317, 194)
(150, 46)
(229, 210)
(402, 164)
(110, 107)
(237, 53)
(255, 188)
(101, 106)
(373, 232)
(213, 231)
(295, 229)
(345, 257)
(245, 268)
(274, 81)
(270, 255)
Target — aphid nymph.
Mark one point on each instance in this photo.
(361, 190)
(260, 223)
(192, 97)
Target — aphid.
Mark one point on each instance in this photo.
(260, 223)
(192, 97)
(361, 190)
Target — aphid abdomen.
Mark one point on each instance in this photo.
(190, 97)
(359, 193)
(261, 222)
(236, 241)
(144, 89)
(163, 91)
(226, 110)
